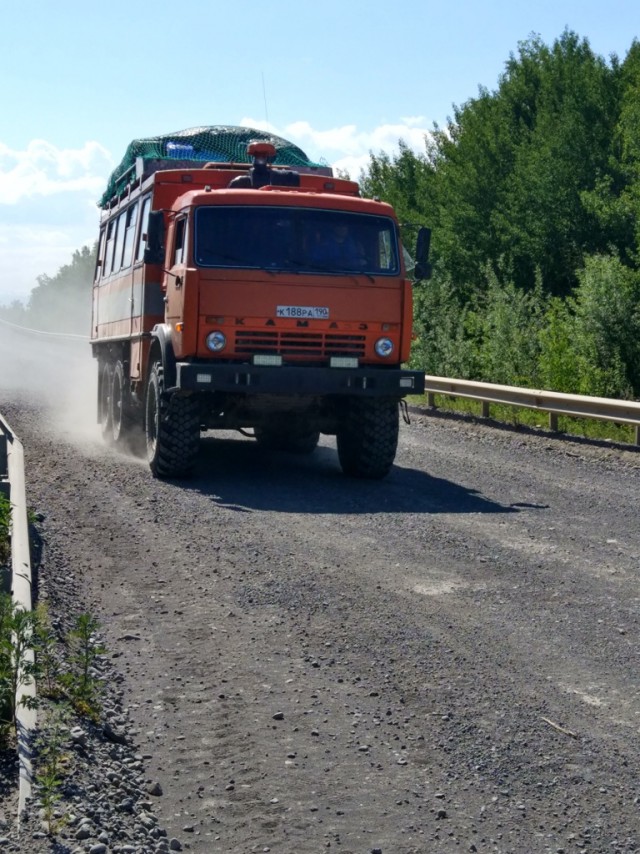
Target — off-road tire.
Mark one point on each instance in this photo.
(172, 428)
(367, 438)
(282, 440)
(120, 407)
(105, 381)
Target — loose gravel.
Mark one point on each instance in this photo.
(446, 661)
(104, 803)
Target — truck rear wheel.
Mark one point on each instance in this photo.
(367, 438)
(104, 399)
(119, 405)
(172, 429)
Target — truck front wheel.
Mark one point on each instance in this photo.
(367, 437)
(172, 428)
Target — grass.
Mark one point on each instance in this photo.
(587, 428)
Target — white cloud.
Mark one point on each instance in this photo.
(348, 147)
(413, 121)
(48, 194)
(44, 170)
(47, 209)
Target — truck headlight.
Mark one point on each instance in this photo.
(216, 341)
(384, 347)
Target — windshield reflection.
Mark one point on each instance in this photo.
(295, 240)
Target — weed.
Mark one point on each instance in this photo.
(52, 762)
(48, 667)
(17, 667)
(81, 685)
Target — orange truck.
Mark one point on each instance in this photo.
(239, 286)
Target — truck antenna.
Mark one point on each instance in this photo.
(264, 95)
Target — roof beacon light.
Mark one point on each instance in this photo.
(262, 152)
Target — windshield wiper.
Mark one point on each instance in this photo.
(321, 268)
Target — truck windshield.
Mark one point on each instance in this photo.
(296, 240)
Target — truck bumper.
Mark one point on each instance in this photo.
(287, 380)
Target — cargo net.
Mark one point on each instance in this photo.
(220, 144)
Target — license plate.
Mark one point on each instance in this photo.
(314, 311)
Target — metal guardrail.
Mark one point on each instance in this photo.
(552, 402)
(60, 335)
(12, 484)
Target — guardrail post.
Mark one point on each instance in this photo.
(553, 422)
(637, 431)
(431, 399)
(485, 409)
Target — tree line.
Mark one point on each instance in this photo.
(59, 303)
(533, 194)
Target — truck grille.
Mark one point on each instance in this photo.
(301, 344)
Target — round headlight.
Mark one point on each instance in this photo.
(216, 341)
(384, 347)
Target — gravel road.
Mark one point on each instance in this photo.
(443, 661)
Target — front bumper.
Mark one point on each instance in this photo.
(287, 380)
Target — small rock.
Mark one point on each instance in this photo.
(78, 736)
(175, 845)
(147, 820)
(114, 734)
(126, 805)
(154, 788)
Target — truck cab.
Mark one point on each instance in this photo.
(264, 299)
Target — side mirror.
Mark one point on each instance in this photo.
(154, 251)
(423, 268)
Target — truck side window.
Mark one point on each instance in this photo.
(129, 234)
(117, 251)
(144, 221)
(111, 239)
(180, 241)
(100, 255)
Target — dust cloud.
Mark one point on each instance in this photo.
(55, 373)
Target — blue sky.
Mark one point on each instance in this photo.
(341, 79)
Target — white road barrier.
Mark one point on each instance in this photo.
(552, 402)
(12, 482)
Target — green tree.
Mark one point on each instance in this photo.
(615, 199)
(471, 159)
(443, 343)
(510, 321)
(606, 307)
(405, 181)
(62, 303)
(562, 147)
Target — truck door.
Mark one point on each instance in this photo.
(176, 292)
